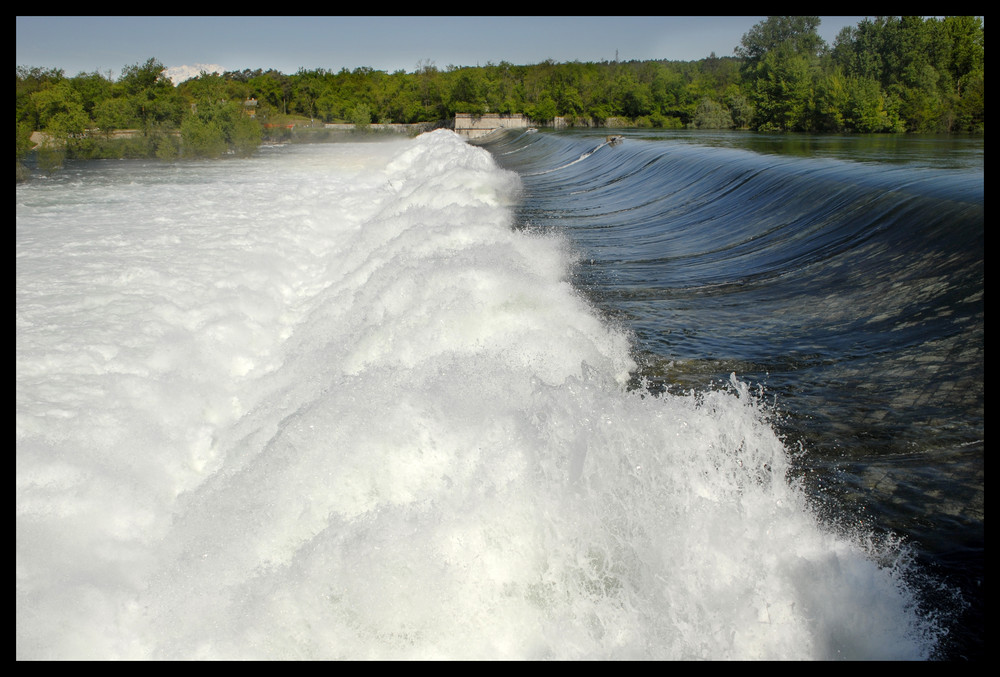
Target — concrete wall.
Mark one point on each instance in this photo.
(468, 125)
(381, 127)
(475, 126)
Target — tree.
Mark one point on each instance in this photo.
(922, 66)
(330, 107)
(202, 136)
(93, 88)
(712, 115)
(272, 91)
(544, 110)
(152, 96)
(967, 41)
(797, 33)
(242, 133)
(361, 116)
(569, 101)
(503, 90)
(780, 91)
(60, 111)
(205, 88)
(867, 108)
(781, 66)
(634, 98)
(308, 87)
(970, 106)
(111, 114)
(740, 108)
(28, 81)
(468, 91)
(968, 53)
(22, 140)
(215, 128)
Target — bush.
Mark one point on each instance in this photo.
(202, 137)
(215, 129)
(712, 115)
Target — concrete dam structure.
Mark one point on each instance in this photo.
(465, 124)
(476, 126)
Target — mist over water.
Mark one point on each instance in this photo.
(330, 402)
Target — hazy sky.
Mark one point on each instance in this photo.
(287, 43)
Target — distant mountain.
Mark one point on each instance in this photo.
(179, 74)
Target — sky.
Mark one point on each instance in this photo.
(106, 44)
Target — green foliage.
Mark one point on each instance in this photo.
(868, 109)
(832, 100)
(28, 82)
(740, 109)
(887, 74)
(243, 134)
(22, 141)
(667, 122)
(151, 96)
(544, 110)
(361, 116)
(202, 136)
(923, 66)
(796, 34)
(50, 158)
(112, 114)
(219, 127)
(712, 115)
(92, 88)
(60, 111)
(780, 71)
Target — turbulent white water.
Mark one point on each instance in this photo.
(328, 403)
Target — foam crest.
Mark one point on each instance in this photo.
(373, 420)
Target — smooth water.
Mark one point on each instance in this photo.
(373, 400)
(844, 273)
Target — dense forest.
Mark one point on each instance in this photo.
(887, 74)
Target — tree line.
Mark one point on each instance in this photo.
(887, 74)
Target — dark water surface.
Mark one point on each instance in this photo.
(842, 275)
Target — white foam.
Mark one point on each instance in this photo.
(327, 403)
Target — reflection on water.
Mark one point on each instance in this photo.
(954, 151)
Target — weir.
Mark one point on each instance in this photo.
(476, 126)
